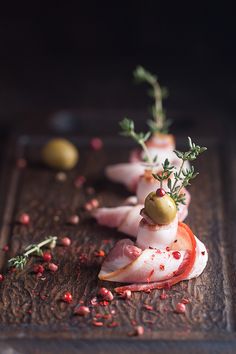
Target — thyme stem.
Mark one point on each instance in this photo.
(40, 245)
(21, 260)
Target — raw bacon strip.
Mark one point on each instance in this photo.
(187, 240)
(156, 236)
(131, 222)
(120, 255)
(151, 265)
(127, 217)
(125, 173)
(111, 217)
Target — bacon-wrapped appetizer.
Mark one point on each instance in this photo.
(158, 141)
(166, 251)
(126, 218)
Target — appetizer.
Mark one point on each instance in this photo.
(126, 217)
(158, 141)
(166, 250)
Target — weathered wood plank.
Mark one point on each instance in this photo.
(33, 307)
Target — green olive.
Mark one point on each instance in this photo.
(162, 210)
(60, 154)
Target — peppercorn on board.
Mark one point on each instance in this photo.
(32, 306)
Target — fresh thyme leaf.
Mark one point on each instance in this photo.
(159, 123)
(128, 130)
(182, 177)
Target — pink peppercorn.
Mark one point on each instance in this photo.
(52, 267)
(24, 219)
(180, 308)
(139, 331)
(163, 296)
(5, 248)
(67, 297)
(88, 206)
(47, 256)
(95, 203)
(1, 277)
(73, 219)
(82, 311)
(176, 254)
(106, 294)
(160, 192)
(96, 143)
(103, 292)
(66, 241)
(38, 268)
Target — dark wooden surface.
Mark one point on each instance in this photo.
(32, 315)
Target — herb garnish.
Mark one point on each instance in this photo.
(182, 177)
(35, 249)
(159, 123)
(128, 130)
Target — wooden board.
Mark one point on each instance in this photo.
(32, 308)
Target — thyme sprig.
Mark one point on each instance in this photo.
(182, 177)
(34, 249)
(159, 123)
(128, 130)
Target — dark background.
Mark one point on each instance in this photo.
(80, 58)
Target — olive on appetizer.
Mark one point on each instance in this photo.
(160, 207)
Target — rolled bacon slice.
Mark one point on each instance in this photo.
(160, 145)
(126, 173)
(155, 268)
(126, 218)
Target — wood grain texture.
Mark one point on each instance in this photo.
(32, 307)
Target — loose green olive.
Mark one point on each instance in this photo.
(162, 210)
(60, 154)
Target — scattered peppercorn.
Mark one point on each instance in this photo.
(163, 296)
(82, 310)
(95, 203)
(53, 267)
(1, 277)
(96, 143)
(106, 294)
(66, 241)
(73, 219)
(24, 219)
(138, 331)
(47, 256)
(38, 268)
(180, 308)
(67, 297)
(5, 248)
